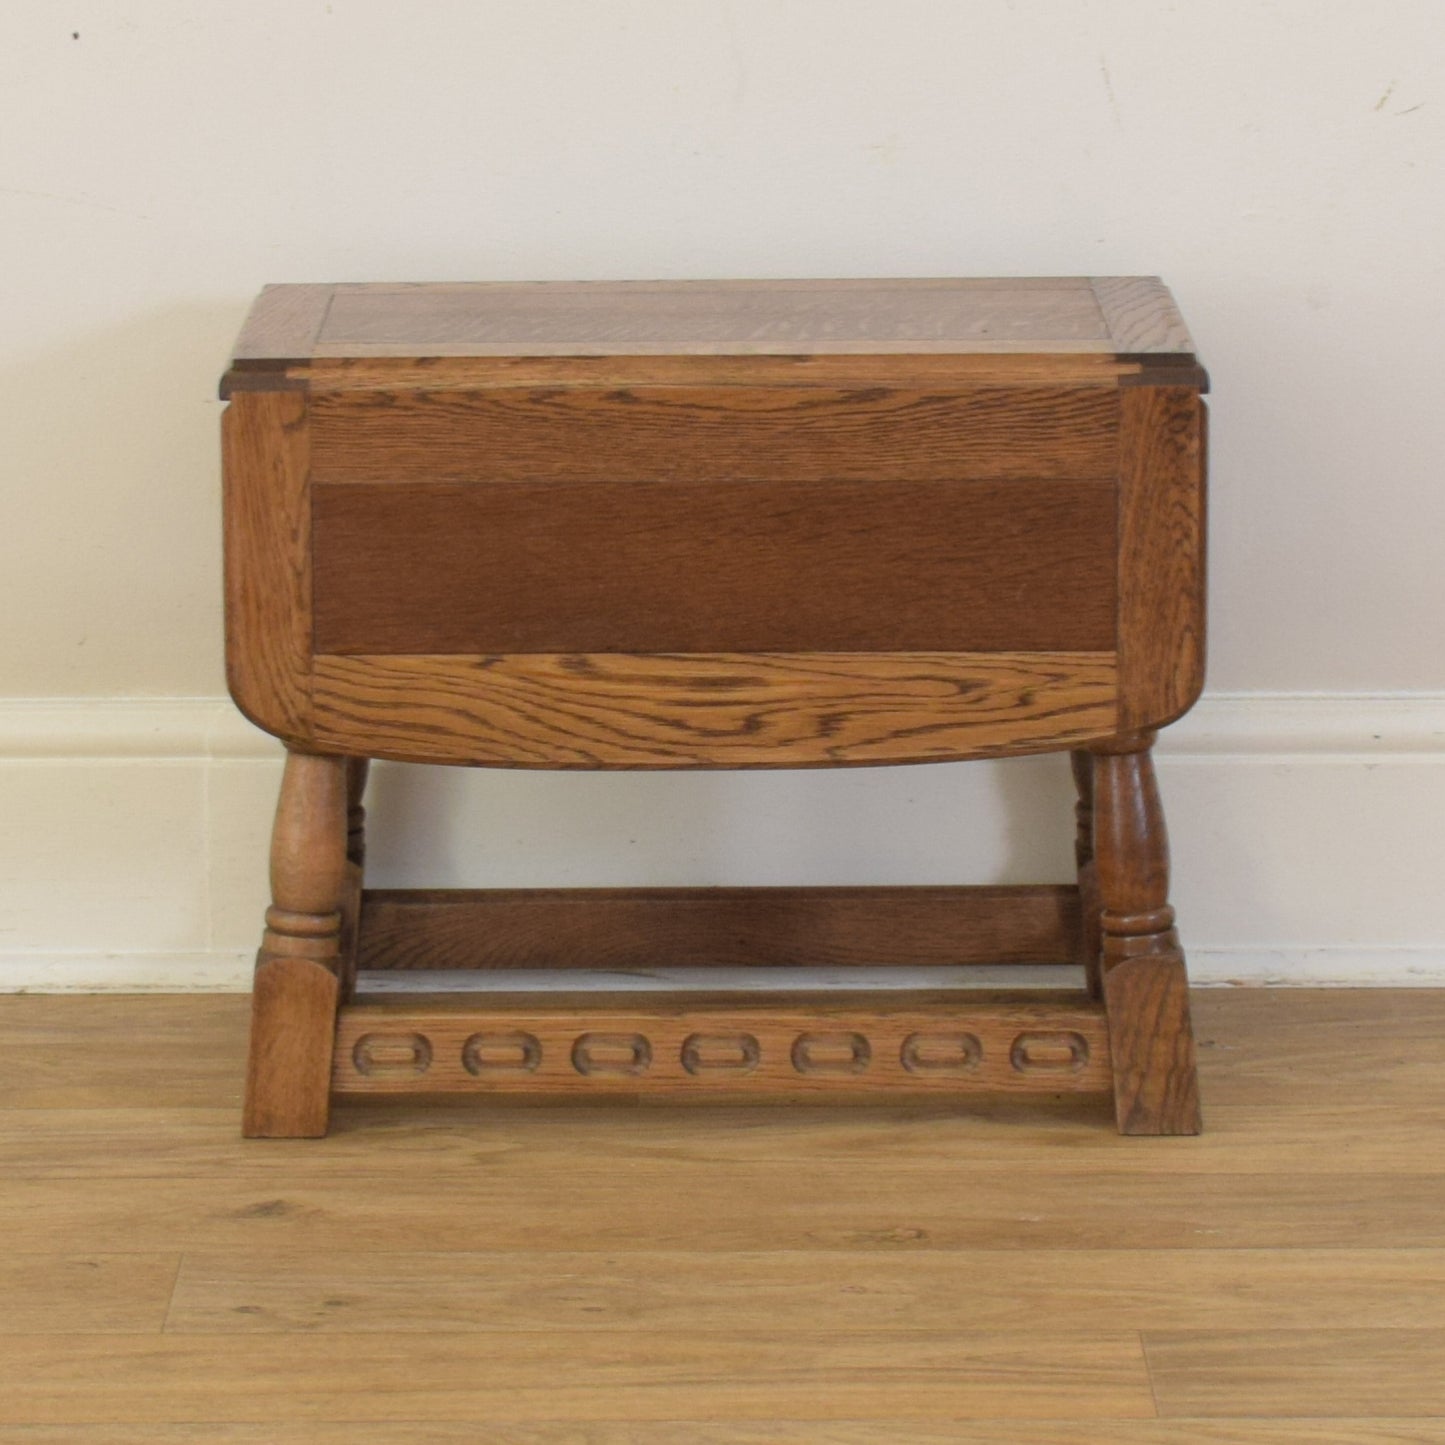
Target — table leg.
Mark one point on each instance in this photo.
(1146, 990)
(297, 992)
(356, 771)
(1092, 940)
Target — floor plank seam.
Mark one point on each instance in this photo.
(165, 1328)
(1149, 1375)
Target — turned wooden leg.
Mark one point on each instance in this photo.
(1091, 942)
(356, 771)
(297, 988)
(1146, 991)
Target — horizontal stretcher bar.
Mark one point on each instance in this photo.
(639, 928)
(786, 1044)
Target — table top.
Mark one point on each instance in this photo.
(1121, 319)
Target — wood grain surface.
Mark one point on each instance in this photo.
(599, 1044)
(993, 315)
(265, 444)
(708, 316)
(1186, 1290)
(714, 434)
(622, 711)
(1283, 1272)
(494, 1375)
(1140, 316)
(96, 1292)
(283, 325)
(301, 962)
(1319, 1371)
(640, 928)
(1081, 764)
(1161, 554)
(422, 1160)
(674, 567)
(936, 373)
(1231, 1430)
(1146, 988)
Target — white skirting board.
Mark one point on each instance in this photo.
(1307, 836)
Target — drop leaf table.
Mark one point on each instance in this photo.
(716, 525)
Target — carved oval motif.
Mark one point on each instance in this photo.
(627, 1054)
(515, 1052)
(720, 1053)
(1061, 1052)
(959, 1053)
(831, 1053)
(392, 1056)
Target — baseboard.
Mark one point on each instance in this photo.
(230, 972)
(1305, 834)
(221, 971)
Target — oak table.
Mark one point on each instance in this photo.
(716, 525)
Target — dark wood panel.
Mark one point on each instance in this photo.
(267, 561)
(634, 928)
(610, 710)
(732, 567)
(702, 433)
(1161, 554)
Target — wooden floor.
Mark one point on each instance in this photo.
(624, 1275)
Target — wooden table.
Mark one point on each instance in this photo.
(716, 525)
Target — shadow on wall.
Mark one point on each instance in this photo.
(1007, 822)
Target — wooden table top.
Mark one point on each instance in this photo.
(1126, 320)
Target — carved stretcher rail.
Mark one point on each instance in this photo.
(626, 1044)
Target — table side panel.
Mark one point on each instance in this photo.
(875, 700)
(726, 711)
(743, 433)
(267, 543)
(1161, 554)
(685, 567)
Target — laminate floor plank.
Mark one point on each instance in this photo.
(1398, 1372)
(671, 1207)
(1283, 1047)
(504, 1375)
(333, 1293)
(109, 1051)
(1327, 1135)
(85, 1293)
(761, 1432)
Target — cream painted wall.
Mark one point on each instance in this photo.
(1278, 161)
